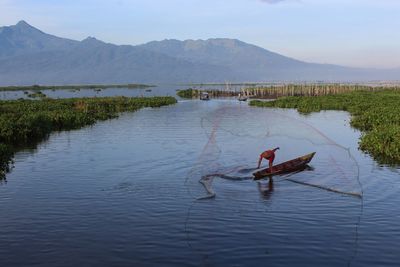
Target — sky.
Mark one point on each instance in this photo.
(357, 33)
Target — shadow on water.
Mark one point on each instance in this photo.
(22, 150)
(266, 189)
(246, 170)
(243, 174)
(264, 186)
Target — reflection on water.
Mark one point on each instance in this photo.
(266, 189)
(125, 192)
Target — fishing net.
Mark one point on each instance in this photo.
(236, 135)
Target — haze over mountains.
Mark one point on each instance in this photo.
(29, 56)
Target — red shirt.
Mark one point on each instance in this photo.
(269, 154)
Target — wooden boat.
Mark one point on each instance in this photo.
(285, 167)
(204, 96)
(242, 97)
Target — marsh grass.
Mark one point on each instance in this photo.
(276, 91)
(309, 90)
(195, 93)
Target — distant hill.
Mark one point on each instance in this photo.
(30, 56)
(22, 38)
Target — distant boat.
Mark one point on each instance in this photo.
(204, 96)
(148, 90)
(242, 97)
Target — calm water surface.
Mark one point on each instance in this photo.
(125, 192)
(163, 90)
(159, 90)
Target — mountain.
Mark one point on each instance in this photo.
(94, 62)
(246, 61)
(252, 63)
(30, 56)
(22, 38)
(224, 52)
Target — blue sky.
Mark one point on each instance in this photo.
(362, 33)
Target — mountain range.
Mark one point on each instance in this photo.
(29, 56)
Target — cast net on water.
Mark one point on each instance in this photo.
(236, 135)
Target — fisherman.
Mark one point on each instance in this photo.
(269, 155)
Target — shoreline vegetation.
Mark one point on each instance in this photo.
(36, 94)
(304, 83)
(276, 91)
(309, 90)
(25, 123)
(195, 93)
(376, 113)
(72, 87)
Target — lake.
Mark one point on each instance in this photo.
(126, 192)
(159, 90)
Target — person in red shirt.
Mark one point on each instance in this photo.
(269, 155)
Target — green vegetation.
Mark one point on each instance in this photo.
(26, 122)
(276, 91)
(37, 94)
(72, 87)
(227, 84)
(377, 114)
(188, 93)
(194, 93)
